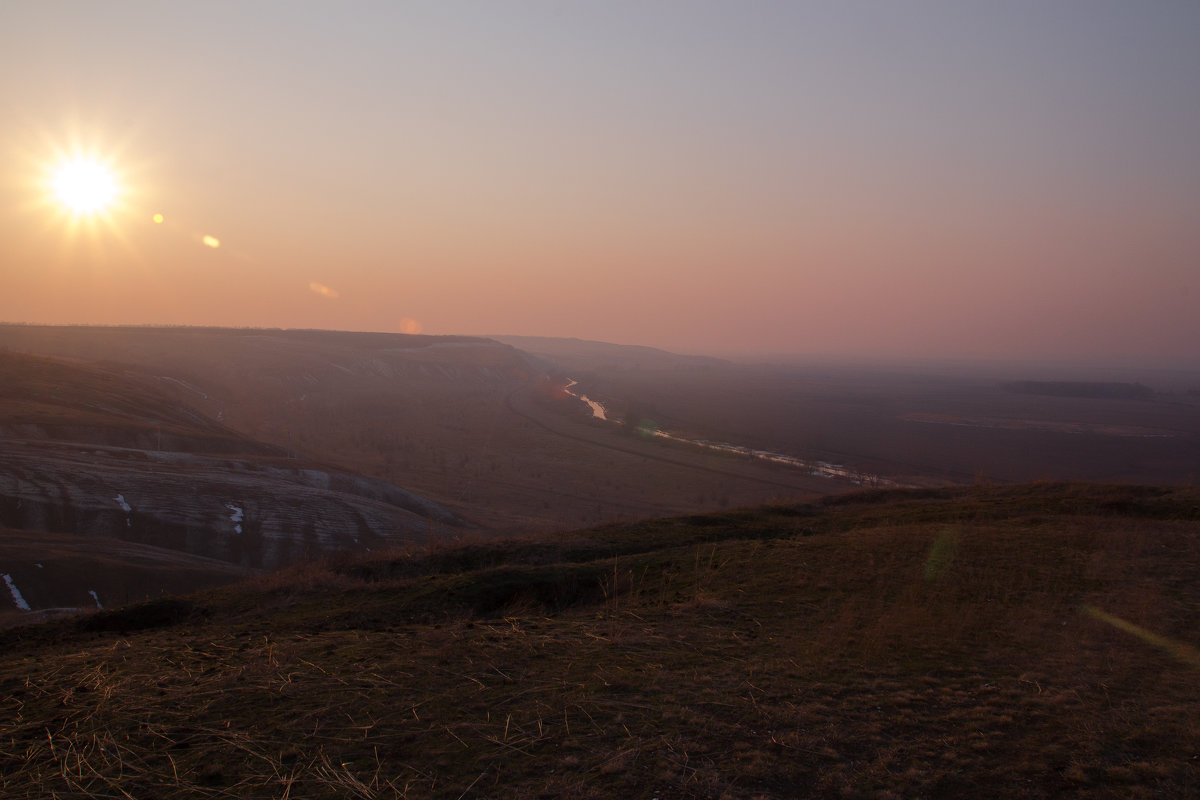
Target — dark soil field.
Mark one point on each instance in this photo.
(1032, 641)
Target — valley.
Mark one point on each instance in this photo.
(329, 564)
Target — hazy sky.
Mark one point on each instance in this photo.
(967, 179)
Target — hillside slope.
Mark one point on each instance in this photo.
(50, 575)
(1033, 641)
(48, 399)
(472, 424)
(98, 451)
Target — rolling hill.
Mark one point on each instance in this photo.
(479, 427)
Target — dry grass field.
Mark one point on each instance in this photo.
(1031, 641)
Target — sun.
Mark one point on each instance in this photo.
(80, 190)
(84, 186)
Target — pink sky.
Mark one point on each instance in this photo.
(1016, 180)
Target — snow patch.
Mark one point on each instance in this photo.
(16, 593)
(96, 597)
(236, 516)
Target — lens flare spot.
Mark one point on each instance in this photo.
(324, 291)
(410, 325)
(1182, 651)
(646, 428)
(941, 554)
(211, 241)
(158, 218)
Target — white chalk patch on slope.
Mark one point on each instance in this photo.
(126, 508)
(236, 517)
(184, 384)
(16, 593)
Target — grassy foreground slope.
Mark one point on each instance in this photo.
(1037, 641)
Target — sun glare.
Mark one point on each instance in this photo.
(84, 186)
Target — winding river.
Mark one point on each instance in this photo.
(820, 469)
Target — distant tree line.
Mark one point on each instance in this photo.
(1091, 389)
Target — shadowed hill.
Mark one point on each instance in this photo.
(108, 452)
(1032, 641)
(48, 399)
(62, 574)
